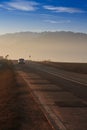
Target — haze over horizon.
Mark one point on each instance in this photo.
(54, 46)
(60, 26)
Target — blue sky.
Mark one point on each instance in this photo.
(43, 15)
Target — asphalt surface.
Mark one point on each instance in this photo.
(62, 94)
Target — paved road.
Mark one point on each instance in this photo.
(62, 95)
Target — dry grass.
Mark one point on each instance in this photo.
(18, 110)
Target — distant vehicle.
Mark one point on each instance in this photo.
(21, 61)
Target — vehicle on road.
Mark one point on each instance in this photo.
(21, 61)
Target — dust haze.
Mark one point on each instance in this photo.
(55, 46)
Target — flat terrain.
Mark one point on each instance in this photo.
(18, 109)
(37, 96)
(73, 67)
(62, 94)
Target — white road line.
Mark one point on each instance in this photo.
(63, 77)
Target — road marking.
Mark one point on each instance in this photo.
(52, 118)
(63, 77)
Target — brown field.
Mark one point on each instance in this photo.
(74, 67)
(18, 109)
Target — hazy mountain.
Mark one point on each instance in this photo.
(57, 46)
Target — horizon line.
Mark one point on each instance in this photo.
(17, 32)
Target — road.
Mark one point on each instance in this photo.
(62, 95)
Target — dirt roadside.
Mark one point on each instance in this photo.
(18, 109)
